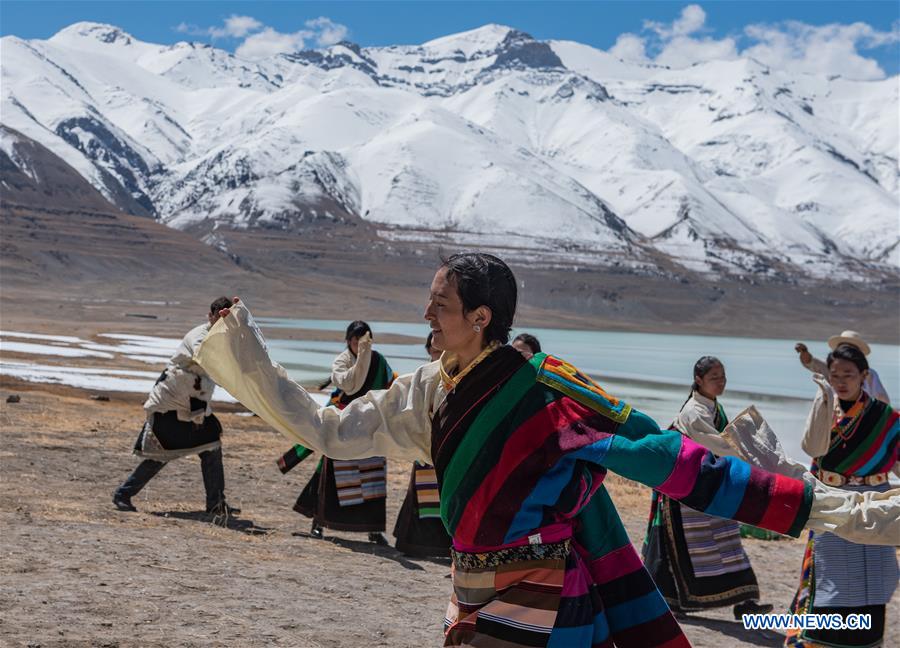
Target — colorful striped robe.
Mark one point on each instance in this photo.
(521, 449)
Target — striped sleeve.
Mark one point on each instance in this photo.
(725, 487)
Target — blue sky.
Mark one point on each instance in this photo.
(795, 32)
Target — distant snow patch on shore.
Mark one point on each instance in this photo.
(39, 336)
(51, 350)
(143, 348)
(92, 378)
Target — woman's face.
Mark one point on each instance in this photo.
(353, 345)
(452, 329)
(846, 379)
(712, 385)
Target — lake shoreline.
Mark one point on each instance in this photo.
(156, 306)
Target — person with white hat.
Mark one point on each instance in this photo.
(853, 441)
(872, 385)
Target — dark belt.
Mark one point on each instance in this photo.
(491, 559)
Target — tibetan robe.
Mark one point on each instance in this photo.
(540, 555)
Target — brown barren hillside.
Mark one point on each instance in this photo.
(63, 244)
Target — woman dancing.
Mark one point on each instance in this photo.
(698, 561)
(350, 495)
(521, 447)
(853, 439)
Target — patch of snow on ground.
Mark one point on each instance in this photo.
(46, 349)
(135, 347)
(119, 380)
(38, 336)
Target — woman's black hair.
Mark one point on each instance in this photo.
(220, 304)
(702, 367)
(356, 330)
(485, 280)
(530, 341)
(851, 353)
(428, 342)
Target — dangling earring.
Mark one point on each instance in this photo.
(477, 328)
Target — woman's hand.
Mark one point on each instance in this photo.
(226, 311)
(805, 355)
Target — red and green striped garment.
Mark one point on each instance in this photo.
(521, 449)
(865, 440)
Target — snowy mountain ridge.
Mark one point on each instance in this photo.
(489, 137)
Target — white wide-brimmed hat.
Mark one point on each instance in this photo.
(849, 337)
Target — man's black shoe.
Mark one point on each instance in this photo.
(123, 503)
(751, 607)
(379, 539)
(316, 532)
(218, 515)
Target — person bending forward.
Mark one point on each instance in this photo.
(180, 422)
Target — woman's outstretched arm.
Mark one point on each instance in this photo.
(783, 501)
(393, 422)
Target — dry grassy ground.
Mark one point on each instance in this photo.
(76, 572)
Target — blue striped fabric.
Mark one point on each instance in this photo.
(636, 611)
(727, 500)
(848, 574)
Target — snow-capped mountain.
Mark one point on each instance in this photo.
(490, 137)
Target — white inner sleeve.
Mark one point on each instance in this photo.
(394, 422)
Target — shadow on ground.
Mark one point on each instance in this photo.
(367, 547)
(736, 630)
(230, 522)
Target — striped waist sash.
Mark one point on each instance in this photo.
(492, 559)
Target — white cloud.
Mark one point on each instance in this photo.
(691, 20)
(826, 49)
(269, 42)
(261, 41)
(326, 32)
(629, 47)
(792, 45)
(236, 27)
(676, 44)
(683, 51)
